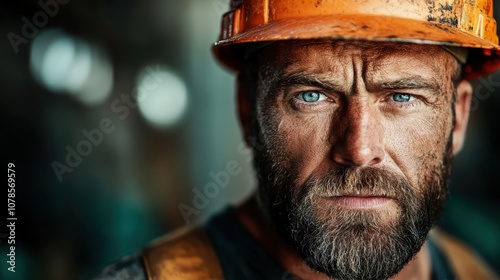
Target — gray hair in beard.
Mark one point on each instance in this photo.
(346, 244)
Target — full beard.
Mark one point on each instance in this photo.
(347, 243)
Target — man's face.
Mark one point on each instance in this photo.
(354, 150)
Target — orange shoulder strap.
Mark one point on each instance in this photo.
(465, 263)
(186, 254)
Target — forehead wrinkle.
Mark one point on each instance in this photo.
(306, 64)
(327, 60)
(403, 70)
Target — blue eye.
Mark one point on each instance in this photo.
(401, 97)
(311, 96)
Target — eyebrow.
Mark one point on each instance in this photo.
(305, 79)
(315, 80)
(415, 82)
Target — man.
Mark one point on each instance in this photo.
(354, 110)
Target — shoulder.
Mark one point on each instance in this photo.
(184, 254)
(464, 261)
(128, 268)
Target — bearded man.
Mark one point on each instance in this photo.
(354, 111)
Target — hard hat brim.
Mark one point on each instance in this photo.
(357, 27)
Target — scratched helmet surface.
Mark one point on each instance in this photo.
(458, 23)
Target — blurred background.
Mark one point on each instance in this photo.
(114, 111)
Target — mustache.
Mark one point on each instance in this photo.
(368, 181)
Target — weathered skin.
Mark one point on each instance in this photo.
(356, 123)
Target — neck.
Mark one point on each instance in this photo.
(250, 215)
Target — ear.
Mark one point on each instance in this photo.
(462, 105)
(244, 109)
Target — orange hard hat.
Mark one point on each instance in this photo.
(456, 23)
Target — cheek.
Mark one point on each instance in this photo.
(305, 141)
(418, 146)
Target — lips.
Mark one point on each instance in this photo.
(359, 201)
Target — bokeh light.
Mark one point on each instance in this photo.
(67, 64)
(162, 96)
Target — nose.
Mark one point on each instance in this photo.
(359, 141)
